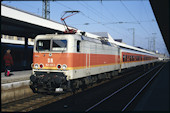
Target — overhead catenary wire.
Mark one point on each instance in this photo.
(127, 9)
(120, 22)
(93, 20)
(97, 22)
(96, 12)
(105, 17)
(93, 11)
(147, 15)
(103, 24)
(26, 5)
(107, 10)
(151, 25)
(132, 22)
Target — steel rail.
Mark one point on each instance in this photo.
(120, 89)
(142, 88)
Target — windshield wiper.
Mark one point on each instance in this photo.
(37, 49)
(64, 48)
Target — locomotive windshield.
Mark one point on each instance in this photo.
(57, 45)
(43, 45)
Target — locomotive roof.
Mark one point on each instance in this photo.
(101, 34)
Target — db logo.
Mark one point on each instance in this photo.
(50, 60)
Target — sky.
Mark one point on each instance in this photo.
(117, 17)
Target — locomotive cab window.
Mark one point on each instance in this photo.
(59, 45)
(43, 45)
(78, 46)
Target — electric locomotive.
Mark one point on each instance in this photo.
(64, 62)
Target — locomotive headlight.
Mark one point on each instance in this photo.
(36, 66)
(64, 66)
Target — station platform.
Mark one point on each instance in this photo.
(16, 76)
(156, 97)
(15, 86)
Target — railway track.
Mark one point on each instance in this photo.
(128, 94)
(39, 100)
(116, 95)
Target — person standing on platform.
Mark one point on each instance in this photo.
(8, 62)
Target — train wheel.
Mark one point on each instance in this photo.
(72, 88)
(34, 90)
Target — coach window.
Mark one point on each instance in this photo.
(123, 58)
(127, 59)
(78, 46)
(131, 58)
